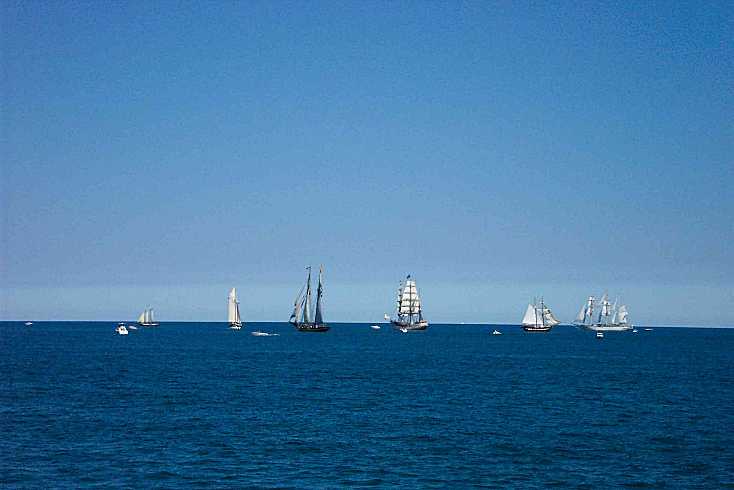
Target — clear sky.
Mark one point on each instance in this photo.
(160, 153)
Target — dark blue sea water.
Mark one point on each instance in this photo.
(198, 405)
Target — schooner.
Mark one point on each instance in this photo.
(609, 319)
(301, 316)
(409, 313)
(538, 318)
(233, 311)
(146, 318)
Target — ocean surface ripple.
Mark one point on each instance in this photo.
(199, 405)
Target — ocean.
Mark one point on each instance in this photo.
(199, 405)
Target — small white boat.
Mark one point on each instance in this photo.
(404, 330)
(648, 330)
(132, 327)
(599, 335)
(634, 330)
(375, 327)
(264, 334)
(496, 332)
(28, 324)
(121, 329)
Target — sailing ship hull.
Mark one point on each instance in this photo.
(312, 327)
(609, 328)
(421, 325)
(148, 324)
(235, 326)
(537, 328)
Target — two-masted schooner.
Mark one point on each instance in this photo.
(146, 318)
(538, 317)
(233, 311)
(409, 312)
(610, 318)
(301, 316)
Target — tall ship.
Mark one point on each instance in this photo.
(233, 311)
(301, 316)
(409, 312)
(146, 318)
(610, 317)
(538, 317)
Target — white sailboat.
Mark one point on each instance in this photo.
(409, 311)
(610, 318)
(233, 311)
(538, 318)
(146, 318)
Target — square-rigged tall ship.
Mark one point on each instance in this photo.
(409, 315)
(301, 316)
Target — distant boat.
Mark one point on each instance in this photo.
(538, 318)
(233, 311)
(610, 318)
(375, 327)
(132, 327)
(648, 329)
(403, 329)
(496, 332)
(121, 329)
(257, 333)
(28, 324)
(409, 313)
(301, 316)
(634, 330)
(146, 318)
(599, 335)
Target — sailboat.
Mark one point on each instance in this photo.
(146, 318)
(610, 318)
(233, 311)
(538, 318)
(301, 316)
(409, 313)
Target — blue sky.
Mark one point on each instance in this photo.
(160, 153)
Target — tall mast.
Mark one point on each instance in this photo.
(307, 301)
(319, 292)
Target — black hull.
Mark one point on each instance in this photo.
(148, 324)
(310, 327)
(537, 329)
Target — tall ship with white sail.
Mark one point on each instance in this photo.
(409, 311)
(610, 318)
(301, 316)
(146, 318)
(538, 317)
(233, 311)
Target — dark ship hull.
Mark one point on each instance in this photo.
(541, 329)
(312, 327)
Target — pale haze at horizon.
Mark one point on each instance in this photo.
(162, 154)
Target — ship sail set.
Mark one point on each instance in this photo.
(146, 318)
(538, 317)
(301, 316)
(610, 317)
(409, 312)
(233, 311)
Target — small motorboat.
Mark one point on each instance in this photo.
(264, 334)
(634, 330)
(375, 327)
(121, 330)
(132, 327)
(28, 324)
(599, 335)
(648, 330)
(403, 329)
(496, 332)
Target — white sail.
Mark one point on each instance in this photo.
(622, 314)
(233, 309)
(530, 318)
(549, 318)
(582, 315)
(149, 316)
(141, 318)
(409, 302)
